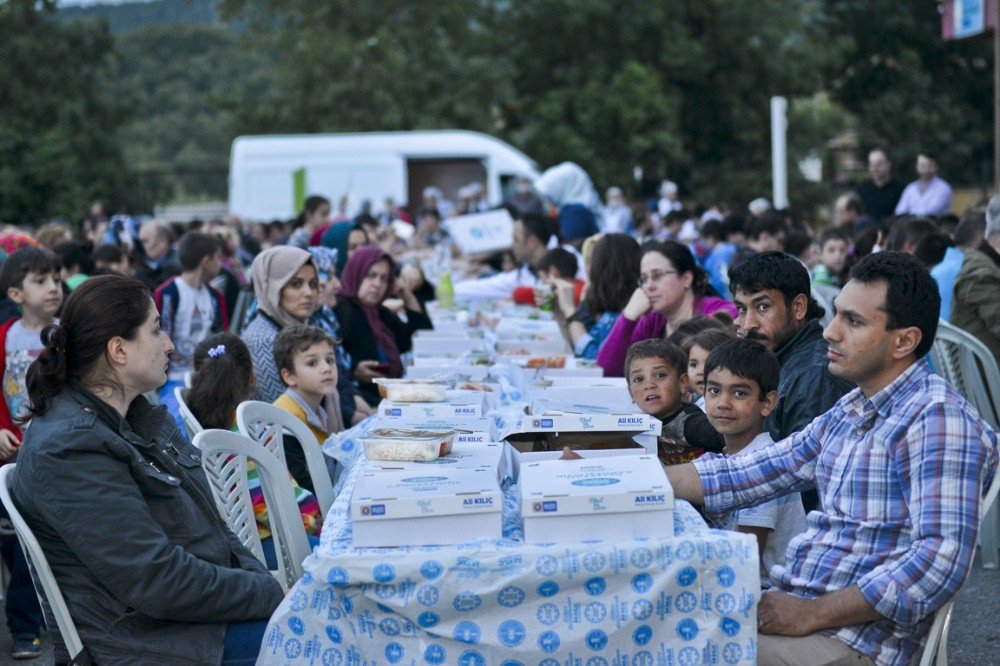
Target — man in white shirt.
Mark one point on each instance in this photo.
(928, 194)
(530, 242)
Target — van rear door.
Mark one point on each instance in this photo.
(448, 174)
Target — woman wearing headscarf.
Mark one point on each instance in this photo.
(286, 285)
(345, 238)
(373, 335)
(567, 187)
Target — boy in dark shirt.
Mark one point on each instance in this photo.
(656, 379)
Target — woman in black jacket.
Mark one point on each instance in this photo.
(374, 336)
(119, 502)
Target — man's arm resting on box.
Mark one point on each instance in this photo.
(686, 482)
(787, 615)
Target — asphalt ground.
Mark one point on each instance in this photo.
(974, 639)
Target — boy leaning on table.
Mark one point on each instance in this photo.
(900, 464)
(741, 390)
(654, 370)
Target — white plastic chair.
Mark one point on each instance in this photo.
(264, 423)
(824, 295)
(224, 459)
(49, 595)
(971, 368)
(190, 422)
(243, 302)
(936, 648)
(188, 378)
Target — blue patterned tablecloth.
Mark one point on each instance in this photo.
(685, 601)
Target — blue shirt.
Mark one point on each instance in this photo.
(717, 267)
(944, 274)
(900, 476)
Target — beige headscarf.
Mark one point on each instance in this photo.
(270, 272)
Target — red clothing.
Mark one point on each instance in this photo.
(526, 295)
(6, 421)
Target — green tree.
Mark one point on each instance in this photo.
(375, 65)
(909, 89)
(182, 83)
(58, 144)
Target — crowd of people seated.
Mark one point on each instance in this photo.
(857, 469)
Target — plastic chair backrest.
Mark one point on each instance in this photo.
(243, 302)
(224, 458)
(190, 422)
(188, 378)
(971, 368)
(49, 596)
(936, 647)
(824, 295)
(264, 423)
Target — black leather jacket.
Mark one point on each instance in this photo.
(806, 388)
(122, 509)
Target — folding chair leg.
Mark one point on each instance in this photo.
(988, 539)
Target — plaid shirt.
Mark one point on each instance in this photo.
(900, 477)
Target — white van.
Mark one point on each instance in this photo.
(268, 174)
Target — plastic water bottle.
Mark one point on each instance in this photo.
(445, 291)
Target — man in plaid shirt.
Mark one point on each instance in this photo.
(900, 464)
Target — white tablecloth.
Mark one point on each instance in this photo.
(684, 601)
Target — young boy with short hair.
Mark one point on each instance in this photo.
(654, 370)
(833, 248)
(190, 309)
(741, 390)
(307, 362)
(30, 277)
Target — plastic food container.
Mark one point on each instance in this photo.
(401, 445)
(411, 390)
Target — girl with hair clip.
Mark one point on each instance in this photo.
(224, 378)
(117, 498)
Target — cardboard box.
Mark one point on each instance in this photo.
(476, 373)
(543, 436)
(469, 430)
(457, 404)
(445, 347)
(626, 497)
(609, 399)
(432, 507)
(464, 455)
(563, 381)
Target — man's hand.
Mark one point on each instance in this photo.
(637, 306)
(785, 615)
(8, 444)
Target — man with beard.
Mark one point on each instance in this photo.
(901, 463)
(775, 308)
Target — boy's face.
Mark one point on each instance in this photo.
(655, 386)
(39, 292)
(834, 254)
(212, 265)
(734, 404)
(315, 371)
(696, 368)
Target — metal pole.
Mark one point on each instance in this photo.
(779, 152)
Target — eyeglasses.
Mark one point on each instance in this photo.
(655, 276)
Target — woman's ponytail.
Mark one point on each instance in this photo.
(47, 374)
(101, 308)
